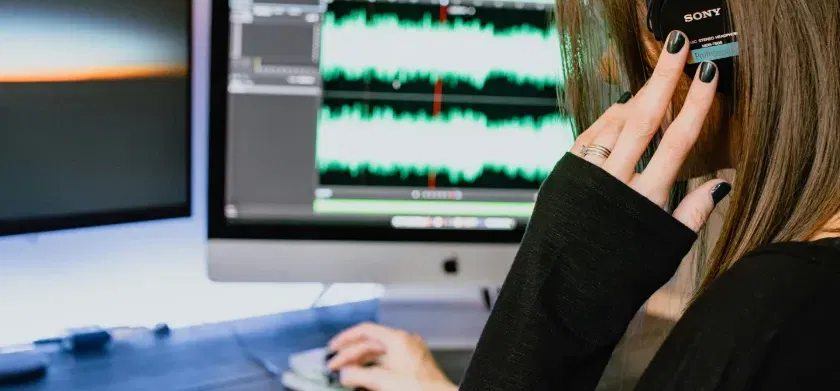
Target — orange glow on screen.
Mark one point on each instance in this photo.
(97, 74)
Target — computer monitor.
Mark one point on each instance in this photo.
(94, 112)
(388, 141)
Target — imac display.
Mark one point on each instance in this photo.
(381, 141)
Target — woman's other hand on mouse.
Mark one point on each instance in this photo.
(402, 360)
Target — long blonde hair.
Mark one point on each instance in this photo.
(786, 107)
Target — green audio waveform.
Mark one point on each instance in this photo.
(462, 144)
(379, 113)
(386, 48)
(448, 79)
(429, 21)
(454, 175)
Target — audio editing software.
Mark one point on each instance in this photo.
(414, 112)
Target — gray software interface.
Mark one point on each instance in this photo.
(415, 114)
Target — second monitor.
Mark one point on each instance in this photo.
(95, 113)
(379, 140)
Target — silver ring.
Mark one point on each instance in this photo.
(597, 150)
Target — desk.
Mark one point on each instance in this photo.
(209, 358)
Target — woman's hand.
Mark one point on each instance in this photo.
(617, 140)
(403, 361)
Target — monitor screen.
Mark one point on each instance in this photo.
(395, 119)
(94, 112)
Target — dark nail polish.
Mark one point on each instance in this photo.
(675, 42)
(334, 378)
(720, 191)
(707, 71)
(329, 356)
(625, 97)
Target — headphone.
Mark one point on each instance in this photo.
(708, 27)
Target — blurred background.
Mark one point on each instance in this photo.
(140, 273)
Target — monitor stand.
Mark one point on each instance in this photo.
(448, 319)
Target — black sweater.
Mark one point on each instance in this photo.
(595, 251)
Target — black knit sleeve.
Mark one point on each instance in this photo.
(593, 252)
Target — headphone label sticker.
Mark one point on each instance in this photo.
(713, 51)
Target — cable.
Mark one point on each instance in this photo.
(268, 366)
(95, 338)
(48, 341)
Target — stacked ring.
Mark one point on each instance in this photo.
(597, 150)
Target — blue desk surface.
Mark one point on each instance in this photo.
(205, 357)
(211, 358)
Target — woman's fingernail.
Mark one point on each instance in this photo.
(334, 378)
(707, 71)
(330, 355)
(720, 192)
(675, 42)
(625, 97)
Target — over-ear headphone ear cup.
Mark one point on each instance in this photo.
(667, 15)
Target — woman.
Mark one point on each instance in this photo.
(600, 242)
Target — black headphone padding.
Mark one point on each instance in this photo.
(654, 10)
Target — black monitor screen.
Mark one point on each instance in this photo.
(404, 119)
(94, 112)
